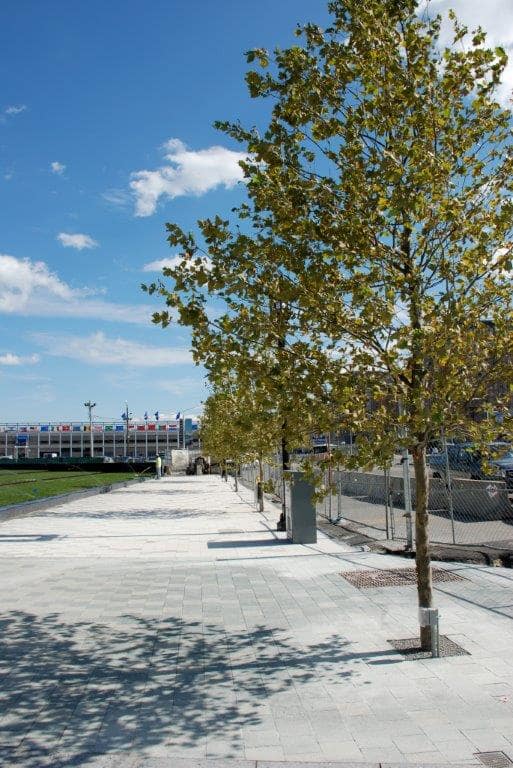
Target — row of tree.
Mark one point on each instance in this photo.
(365, 281)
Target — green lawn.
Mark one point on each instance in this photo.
(17, 486)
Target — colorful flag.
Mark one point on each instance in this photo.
(162, 427)
(120, 428)
(152, 426)
(45, 427)
(76, 427)
(97, 427)
(109, 427)
(141, 427)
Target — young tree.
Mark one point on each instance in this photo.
(380, 203)
(238, 426)
(253, 338)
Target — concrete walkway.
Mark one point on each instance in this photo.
(169, 621)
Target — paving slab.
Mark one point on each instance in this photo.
(170, 622)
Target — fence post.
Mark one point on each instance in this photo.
(387, 496)
(339, 494)
(448, 481)
(407, 499)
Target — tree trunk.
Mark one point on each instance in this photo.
(285, 464)
(260, 488)
(235, 477)
(422, 556)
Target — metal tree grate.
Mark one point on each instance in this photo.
(494, 759)
(410, 648)
(394, 577)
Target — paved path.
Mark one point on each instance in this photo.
(168, 620)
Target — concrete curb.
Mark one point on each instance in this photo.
(138, 760)
(480, 555)
(26, 508)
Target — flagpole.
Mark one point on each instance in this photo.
(126, 428)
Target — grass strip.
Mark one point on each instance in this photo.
(42, 486)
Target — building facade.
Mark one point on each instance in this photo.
(143, 440)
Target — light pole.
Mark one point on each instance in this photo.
(126, 416)
(89, 405)
(181, 416)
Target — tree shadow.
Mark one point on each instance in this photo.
(19, 538)
(160, 508)
(153, 513)
(84, 688)
(242, 543)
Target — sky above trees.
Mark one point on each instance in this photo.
(105, 134)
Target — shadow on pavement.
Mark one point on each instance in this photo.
(28, 537)
(245, 543)
(153, 513)
(83, 688)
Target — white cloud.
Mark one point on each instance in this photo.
(57, 168)
(29, 288)
(117, 197)
(99, 349)
(187, 173)
(15, 109)
(159, 264)
(182, 386)
(78, 241)
(494, 16)
(171, 263)
(10, 359)
(501, 272)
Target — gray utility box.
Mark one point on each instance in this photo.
(300, 509)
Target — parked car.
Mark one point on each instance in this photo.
(467, 461)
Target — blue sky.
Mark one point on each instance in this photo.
(106, 133)
(92, 96)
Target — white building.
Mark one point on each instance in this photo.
(140, 440)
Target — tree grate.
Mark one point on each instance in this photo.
(411, 650)
(394, 577)
(494, 759)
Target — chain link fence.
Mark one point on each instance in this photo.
(462, 511)
(272, 477)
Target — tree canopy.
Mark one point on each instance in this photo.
(376, 238)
